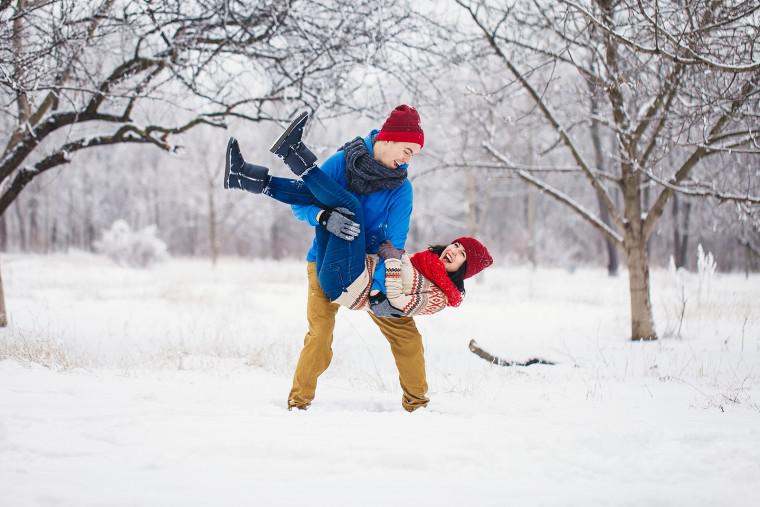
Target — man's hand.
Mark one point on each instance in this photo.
(338, 221)
(388, 251)
(380, 306)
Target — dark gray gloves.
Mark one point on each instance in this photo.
(388, 251)
(380, 306)
(338, 221)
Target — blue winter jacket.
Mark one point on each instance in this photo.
(386, 212)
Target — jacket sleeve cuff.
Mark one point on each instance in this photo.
(378, 277)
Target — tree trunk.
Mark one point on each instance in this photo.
(91, 237)
(751, 253)
(192, 233)
(471, 189)
(645, 196)
(21, 226)
(54, 236)
(636, 251)
(3, 314)
(747, 261)
(22, 103)
(213, 243)
(530, 211)
(276, 239)
(685, 235)
(680, 232)
(34, 224)
(3, 233)
(604, 214)
(676, 233)
(612, 256)
(642, 320)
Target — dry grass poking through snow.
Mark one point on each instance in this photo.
(187, 367)
(80, 310)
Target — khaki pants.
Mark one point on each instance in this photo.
(402, 334)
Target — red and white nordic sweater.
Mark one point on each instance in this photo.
(406, 289)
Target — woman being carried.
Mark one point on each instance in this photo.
(421, 284)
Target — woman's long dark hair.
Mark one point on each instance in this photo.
(457, 277)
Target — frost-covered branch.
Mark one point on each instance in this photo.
(533, 169)
(671, 73)
(162, 68)
(661, 103)
(24, 175)
(558, 195)
(693, 58)
(704, 190)
(481, 353)
(543, 107)
(700, 152)
(749, 246)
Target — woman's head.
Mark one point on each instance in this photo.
(453, 256)
(463, 258)
(454, 262)
(478, 257)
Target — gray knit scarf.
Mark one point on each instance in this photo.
(364, 174)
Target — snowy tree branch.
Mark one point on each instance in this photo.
(62, 156)
(598, 187)
(558, 195)
(109, 57)
(699, 153)
(693, 58)
(704, 190)
(481, 353)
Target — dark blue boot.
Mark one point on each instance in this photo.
(240, 174)
(290, 148)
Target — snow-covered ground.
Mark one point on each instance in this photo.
(167, 386)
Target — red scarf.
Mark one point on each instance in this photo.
(431, 267)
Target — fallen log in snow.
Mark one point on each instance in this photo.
(475, 349)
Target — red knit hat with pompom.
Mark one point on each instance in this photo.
(402, 125)
(478, 257)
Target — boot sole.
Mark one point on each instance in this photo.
(227, 163)
(278, 143)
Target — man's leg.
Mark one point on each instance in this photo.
(317, 345)
(406, 345)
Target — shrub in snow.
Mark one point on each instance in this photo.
(675, 301)
(131, 248)
(706, 267)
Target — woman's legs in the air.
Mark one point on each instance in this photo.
(256, 179)
(290, 191)
(339, 261)
(343, 261)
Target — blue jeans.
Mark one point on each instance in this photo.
(339, 262)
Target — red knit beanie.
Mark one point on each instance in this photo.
(402, 125)
(478, 257)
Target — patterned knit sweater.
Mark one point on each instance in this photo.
(406, 288)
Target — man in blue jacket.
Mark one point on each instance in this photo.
(375, 170)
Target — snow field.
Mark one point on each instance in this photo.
(168, 385)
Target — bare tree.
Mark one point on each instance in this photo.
(76, 75)
(601, 163)
(680, 83)
(680, 230)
